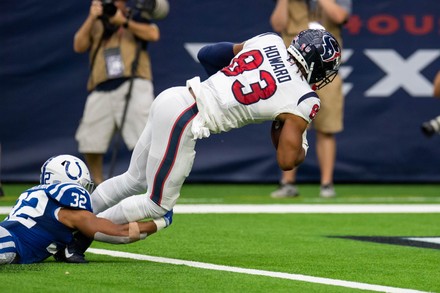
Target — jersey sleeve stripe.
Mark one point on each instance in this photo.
(171, 153)
(306, 96)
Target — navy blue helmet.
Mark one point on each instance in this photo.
(319, 54)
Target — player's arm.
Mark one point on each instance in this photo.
(290, 150)
(216, 56)
(104, 230)
(144, 31)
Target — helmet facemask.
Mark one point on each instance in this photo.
(89, 185)
(328, 78)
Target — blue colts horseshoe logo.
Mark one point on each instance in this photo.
(66, 167)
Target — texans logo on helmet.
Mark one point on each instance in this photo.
(331, 52)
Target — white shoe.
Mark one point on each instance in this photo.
(285, 190)
(327, 191)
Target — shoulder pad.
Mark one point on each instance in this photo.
(70, 195)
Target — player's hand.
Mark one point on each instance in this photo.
(119, 18)
(95, 9)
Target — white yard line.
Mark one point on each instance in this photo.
(297, 208)
(281, 275)
(305, 208)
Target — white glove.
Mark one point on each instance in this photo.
(198, 129)
(305, 143)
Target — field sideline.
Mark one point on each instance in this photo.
(230, 238)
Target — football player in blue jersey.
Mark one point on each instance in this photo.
(45, 217)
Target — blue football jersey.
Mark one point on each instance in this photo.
(33, 221)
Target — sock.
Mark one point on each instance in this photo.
(160, 224)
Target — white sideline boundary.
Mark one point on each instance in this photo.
(297, 208)
(280, 275)
(305, 208)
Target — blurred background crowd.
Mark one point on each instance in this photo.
(391, 57)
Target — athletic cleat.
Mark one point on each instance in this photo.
(168, 217)
(69, 256)
(327, 191)
(285, 190)
(74, 251)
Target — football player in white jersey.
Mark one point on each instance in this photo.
(44, 218)
(251, 82)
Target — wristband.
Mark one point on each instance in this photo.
(160, 224)
(133, 231)
(305, 143)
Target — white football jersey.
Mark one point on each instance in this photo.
(258, 85)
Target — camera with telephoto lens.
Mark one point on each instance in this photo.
(431, 127)
(148, 9)
(108, 8)
(153, 9)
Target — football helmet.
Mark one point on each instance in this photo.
(64, 169)
(319, 54)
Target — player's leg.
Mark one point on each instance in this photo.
(132, 182)
(8, 251)
(172, 155)
(170, 123)
(170, 158)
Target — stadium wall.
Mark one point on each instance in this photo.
(391, 57)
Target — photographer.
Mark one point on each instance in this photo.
(431, 127)
(116, 38)
(288, 18)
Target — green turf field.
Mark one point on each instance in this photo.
(278, 252)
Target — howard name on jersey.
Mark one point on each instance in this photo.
(259, 84)
(33, 221)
